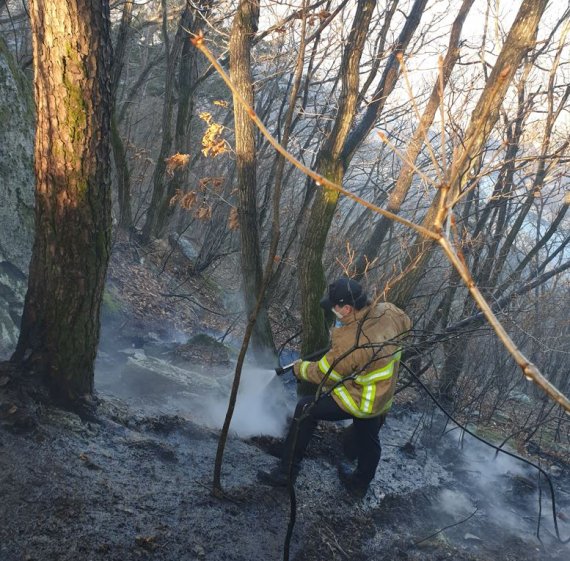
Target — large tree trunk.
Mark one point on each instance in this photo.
(329, 164)
(241, 41)
(60, 325)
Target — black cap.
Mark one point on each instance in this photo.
(344, 291)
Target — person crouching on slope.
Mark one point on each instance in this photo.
(360, 372)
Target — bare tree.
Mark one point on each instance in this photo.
(520, 40)
(406, 174)
(154, 223)
(334, 158)
(119, 152)
(243, 29)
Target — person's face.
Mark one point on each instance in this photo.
(342, 311)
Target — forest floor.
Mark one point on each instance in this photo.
(132, 480)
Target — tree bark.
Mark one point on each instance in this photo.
(329, 164)
(333, 159)
(60, 325)
(243, 30)
(123, 177)
(386, 85)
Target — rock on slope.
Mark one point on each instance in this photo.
(17, 194)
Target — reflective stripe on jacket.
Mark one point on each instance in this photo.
(362, 364)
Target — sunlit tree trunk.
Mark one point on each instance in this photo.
(60, 324)
(241, 40)
(390, 76)
(330, 165)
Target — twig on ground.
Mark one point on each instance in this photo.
(447, 527)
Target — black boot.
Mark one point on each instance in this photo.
(352, 481)
(276, 448)
(277, 477)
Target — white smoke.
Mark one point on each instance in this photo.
(489, 481)
(262, 405)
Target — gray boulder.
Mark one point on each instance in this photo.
(16, 195)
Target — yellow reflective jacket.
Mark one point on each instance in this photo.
(362, 364)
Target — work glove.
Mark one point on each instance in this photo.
(296, 367)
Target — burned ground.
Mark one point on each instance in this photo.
(118, 485)
(131, 478)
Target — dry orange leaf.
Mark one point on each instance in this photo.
(204, 213)
(176, 197)
(212, 141)
(185, 200)
(176, 161)
(189, 200)
(233, 219)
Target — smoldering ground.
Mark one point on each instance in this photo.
(155, 385)
(136, 481)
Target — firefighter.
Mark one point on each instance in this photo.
(360, 372)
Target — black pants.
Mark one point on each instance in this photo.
(361, 440)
